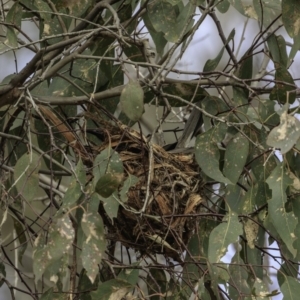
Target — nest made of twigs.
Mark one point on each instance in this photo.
(162, 206)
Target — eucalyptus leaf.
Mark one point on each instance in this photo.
(26, 175)
(222, 236)
(132, 100)
(207, 152)
(284, 222)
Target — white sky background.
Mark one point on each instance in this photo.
(206, 45)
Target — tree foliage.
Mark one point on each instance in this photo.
(102, 209)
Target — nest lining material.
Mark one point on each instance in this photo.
(175, 191)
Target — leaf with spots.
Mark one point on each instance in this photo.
(132, 100)
(59, 242)
(26, 175)
(235, 157)
(283, 221)
(286, 134)
(94, 245)
(113, 289)
(290, 17)
(290, 288)
(207, 152)
(76, 186)
(284, 89)
(108, 184)
(277, 48)
(222, 236)
(14, 16)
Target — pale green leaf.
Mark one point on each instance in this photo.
(235, 157)
(211, 64)
(290, 288)
(282, 92)
(283, 221)
(112, 289)
(277, 48)
(222, 236)
(75, 188)
(26, 175)
(207, 152)
(286, 134)
(14, 17)
(128, 183)
(108, 184)
(132, 100)
(94, 244)
(59, 243)
(290, 17)
(238, 278)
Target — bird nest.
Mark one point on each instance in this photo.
(161, 212)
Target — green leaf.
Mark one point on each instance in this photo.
(108, 184)
(295, 48)
(290, 17)
(223, 6)
(283, 221)
(48, 295)
(277, 48)
(111, 289)
(132, 100)
(239, 283)
(94, 245)
(235, 157)
(75, 188)
(207, 152)
(281, 92)
(14, 16)
(128, 183)
(222, 236)
(158, 37)
(165, 18)
(211, 64)
(290, 288)
(59, 242)
(157, 283)
(129, 275)
(286, 134)
(26, 175)
(2, 273)
(22, 239)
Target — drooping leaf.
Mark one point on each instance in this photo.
(211, 64)
(75, 188)
(283, 221)
(60, 238)
(128, 183)
(284, 90)
(235, 157)
(111, 289)
(223, 6)
(26, 175)
(108, 184)
(94, 244)
(132, 100)
(277, 48)
(165, 18)
(222, 236)
(207, 152)
(286, 134)
(129, 275)
(14, 17)
(239, 284)
(290, 17)
(290, 288)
